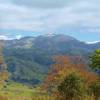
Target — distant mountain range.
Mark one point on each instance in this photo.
(29, 58)
(48, 40)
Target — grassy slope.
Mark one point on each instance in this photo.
(16, 91)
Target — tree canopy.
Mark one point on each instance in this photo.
(95, 61)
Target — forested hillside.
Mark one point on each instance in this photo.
(29, 59)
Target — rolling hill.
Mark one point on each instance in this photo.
(29, 58)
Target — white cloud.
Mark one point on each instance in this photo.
(3, 37)
(18, 36)
(84, 14)
(7, 37)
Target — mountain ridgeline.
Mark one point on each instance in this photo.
(29, 58)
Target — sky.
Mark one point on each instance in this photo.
(78, 18)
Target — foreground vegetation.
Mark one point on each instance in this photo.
(67, 80)
(17, 91)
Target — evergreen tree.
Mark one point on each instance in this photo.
(95, 61)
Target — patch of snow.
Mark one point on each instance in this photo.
(93, 42)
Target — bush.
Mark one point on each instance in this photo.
(72, 88)
(94, 89)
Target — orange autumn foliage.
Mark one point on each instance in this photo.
(63, 66)
(3, 66)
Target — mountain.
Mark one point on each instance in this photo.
(29, 58)
(25, 42)
(95, 45)
(48, 41)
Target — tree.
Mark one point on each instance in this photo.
(95, 61)
(72, 88)
(62, 67)
(3, 66)
(95, 65)
(66, 70)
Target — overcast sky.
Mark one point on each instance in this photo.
(78, 18)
